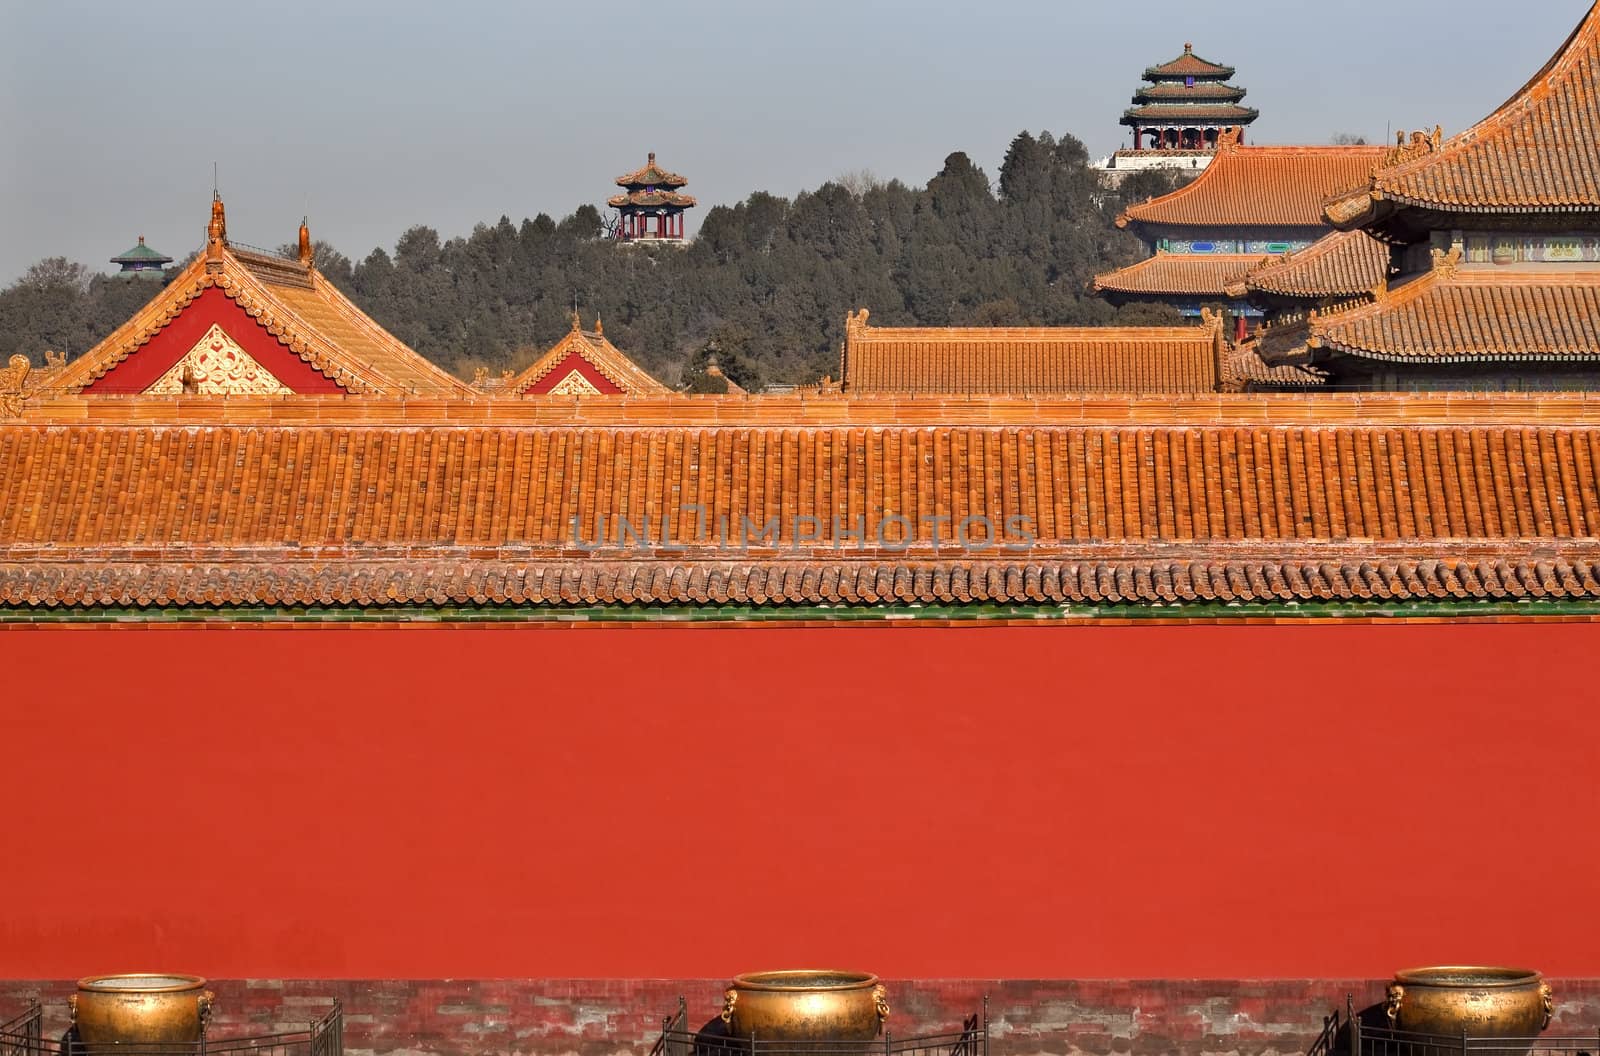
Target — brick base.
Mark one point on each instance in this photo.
(605, 1017)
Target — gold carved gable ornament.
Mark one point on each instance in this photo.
(217, 366)
(574, 384)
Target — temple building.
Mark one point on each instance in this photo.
(1494, 241)
(584, 363)
(236, 322)
(142, 262)
(1179, 116)
(1249, 204)
(651, 209)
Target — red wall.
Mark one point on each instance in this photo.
(1034, 802)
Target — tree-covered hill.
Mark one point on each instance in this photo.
(766, 283)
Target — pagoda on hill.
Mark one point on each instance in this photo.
(1179, 116)
(1186, 105)
(142, 262)
(650, 206)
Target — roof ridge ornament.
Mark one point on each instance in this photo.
(216, 233)
(1447, 265)
(308, 255)
(12, 380)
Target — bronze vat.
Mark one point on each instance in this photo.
(806, 1005)
(1478, 1002)
(141, 1008)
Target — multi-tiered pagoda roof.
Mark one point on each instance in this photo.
(1187, 92)
(651, 186)
(651, 206)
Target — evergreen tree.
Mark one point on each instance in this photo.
(764, 287)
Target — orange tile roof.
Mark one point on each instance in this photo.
(652, 199)
(1155, 113)
(652, 175)
(1207, 90)
(296, 304)
(596, 350)
(814, 408)
(1188, 65)
(1180, 274)
(1244, 370)
(1027, 360)
(1343, 264)
(1457, 314)
(385, 516)
(1282, 341)
(1259, 187)
(1536, 154)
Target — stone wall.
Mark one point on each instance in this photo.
(608, 1017)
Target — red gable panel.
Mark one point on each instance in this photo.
(573, 362)
(145, 367)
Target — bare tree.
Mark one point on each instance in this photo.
(858, 181)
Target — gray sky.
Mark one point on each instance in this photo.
(373, 116)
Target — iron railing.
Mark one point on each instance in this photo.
(679, 1039)
(1367, 1039)
(24, 1036)
(1328, 1043)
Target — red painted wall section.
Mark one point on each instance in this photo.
(146, 366)
(653, 802)
(572, 362)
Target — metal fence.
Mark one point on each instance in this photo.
(24, 1036)
(1351, 1034)
(679, 1039)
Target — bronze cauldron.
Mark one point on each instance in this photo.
(806, 1006)
(141, 1008)
(1478, 1002)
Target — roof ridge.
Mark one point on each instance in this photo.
(353, 314)
(1098, 333)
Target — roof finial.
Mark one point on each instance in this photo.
(307, 255)
(599, 327)
(577, 323)
(652, 157)
(1188, 49)
(217, 229)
